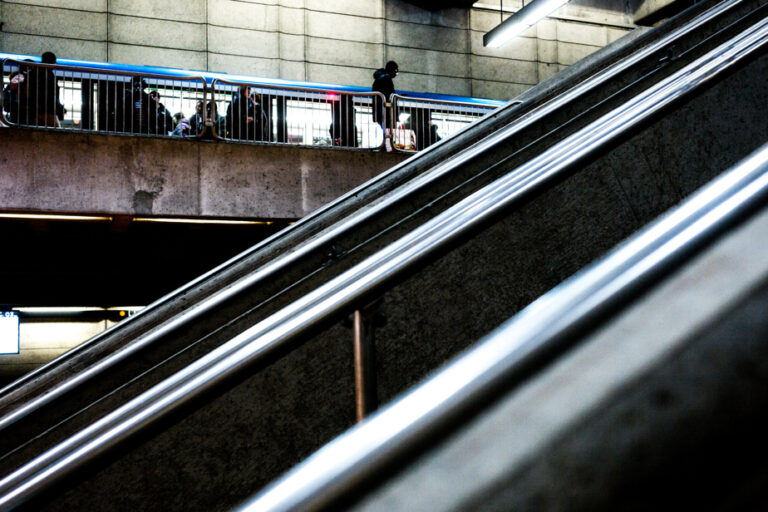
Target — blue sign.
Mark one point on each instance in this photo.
(9, 332)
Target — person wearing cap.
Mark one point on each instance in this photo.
(382, 82)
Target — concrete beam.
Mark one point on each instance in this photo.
(125, 175)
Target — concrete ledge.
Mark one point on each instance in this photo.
(56, 171)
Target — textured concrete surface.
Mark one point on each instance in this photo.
(662, 409)
(64, 172)
(438, 51)
(236, 444)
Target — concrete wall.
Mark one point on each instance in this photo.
(124, 175)
(333, 41)
(662, 409)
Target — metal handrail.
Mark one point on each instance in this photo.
(350, 223)
(367, 277)
(325, 96)
(85, 73)
(332, 232)
(535, 335)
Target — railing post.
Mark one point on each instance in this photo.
(365, 371)
(87, 110)
(364, 322)
(282, 123)
(389, 123)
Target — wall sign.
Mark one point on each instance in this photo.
(9, 332)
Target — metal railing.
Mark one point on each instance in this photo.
(13, 414)
(296, 115)
(76, 98)
(369, 277)
(83, 99)
(536, 334)
(417, 123)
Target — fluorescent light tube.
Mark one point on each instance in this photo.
(520, 21)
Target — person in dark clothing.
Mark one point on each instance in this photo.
(139, 109)
(50, 58)
(244, 116)
(434, 134)
(44, 93)
(197, 121)
(343, 130)
(219, 122)
(164, 122)
(382, 82)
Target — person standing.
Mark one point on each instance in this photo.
(139, 110)
(164, 123)
(244, 115)
(382, 82)
(44, 88)
(197, 121)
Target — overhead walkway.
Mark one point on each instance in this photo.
(250, 364)
(117, 99)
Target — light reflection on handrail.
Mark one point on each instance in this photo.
(529, 339)
(365, 278)
(282, 262)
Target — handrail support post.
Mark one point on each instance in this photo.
(363, 327)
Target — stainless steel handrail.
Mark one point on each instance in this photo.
(358, 218)
(273, 332)
(282, 262)
(542, 328)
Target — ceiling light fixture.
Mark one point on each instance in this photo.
(520, 21)
(188, 220)
(46, 216)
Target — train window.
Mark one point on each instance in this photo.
(449, 123)
(70, 96)
(308, 122)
